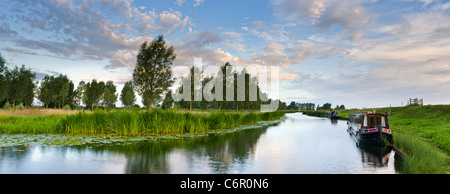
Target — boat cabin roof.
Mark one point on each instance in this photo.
(369, 120)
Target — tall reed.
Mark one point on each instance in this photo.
(134, 123)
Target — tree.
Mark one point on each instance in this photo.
(3, 79)
(79, 93)
(127, 95)
(153, 73)
(109, 95)
(45, 94)
(292, 106)
(326, 106)
(168, 101)
(93, 93)
(342, 107)
(23, 80)
(56, 91)
(282, 105)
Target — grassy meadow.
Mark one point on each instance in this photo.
(422, 132)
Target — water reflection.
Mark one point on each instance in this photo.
(334, 121)
(300, 144)
(376, 156)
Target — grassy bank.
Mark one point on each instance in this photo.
(422, 132)
(130, 123)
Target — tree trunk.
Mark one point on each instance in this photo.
(150, 104)
(14, 103)
(237, 107)
(190, 105)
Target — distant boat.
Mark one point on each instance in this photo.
(370, 128)
(332, 114)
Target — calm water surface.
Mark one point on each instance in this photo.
(300, 144)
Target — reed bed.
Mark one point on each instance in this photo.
(48, 124)
(136, 123)
(129, 122)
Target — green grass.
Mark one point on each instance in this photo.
(422, 157)
(130, 122)
(422, 132)
(48, 124)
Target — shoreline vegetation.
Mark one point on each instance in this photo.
(133, 122)
(422, 132)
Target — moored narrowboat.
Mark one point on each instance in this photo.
(370, 128)
(332, 114)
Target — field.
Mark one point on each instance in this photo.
(422, 132)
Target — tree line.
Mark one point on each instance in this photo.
(308, 106)
(152, 77)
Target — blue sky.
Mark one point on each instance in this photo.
(361, 53)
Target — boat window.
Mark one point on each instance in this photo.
(383, 122)
(370, 122)
(358, 120)
(377, 121)
(365, 121)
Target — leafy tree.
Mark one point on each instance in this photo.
(292, 106)
(342, 107)
(326, 106)
(109, 95)
(127, 96)
(282, 105)
(46, 92)
(56, 91)
(93, 93)
(79, 93)
(153, 74)
(3, 79)
(23, 80)
(168, 101)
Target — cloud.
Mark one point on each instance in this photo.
(295, 9)
(86, 29)
(205, 46)
(6, 31)
(198, 2)
(17, 52)
(268, 32)
(326, 15)
(180, 2)
(171, 20)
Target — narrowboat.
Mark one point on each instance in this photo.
(332, 114)
(370, 128)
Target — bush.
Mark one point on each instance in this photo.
(67, 107)
(7, 106)
(20, 107)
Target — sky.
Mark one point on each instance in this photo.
(360, 53)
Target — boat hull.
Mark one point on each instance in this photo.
(375, 138)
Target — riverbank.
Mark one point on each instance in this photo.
(422, 132)
(130, 122)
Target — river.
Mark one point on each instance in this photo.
(299, 144)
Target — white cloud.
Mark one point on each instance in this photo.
(326, 15)
(198, 2)
(172, 20)
(296, 9)
(82, 30)
(180, 2)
